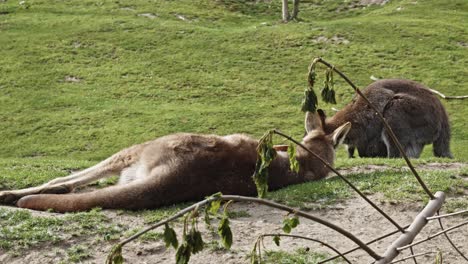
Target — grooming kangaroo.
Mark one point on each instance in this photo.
(416, 116)
(181, 167)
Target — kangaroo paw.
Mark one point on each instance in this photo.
(59, 189)
(8, 198)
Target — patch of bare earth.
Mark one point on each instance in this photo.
(427, 166)
(361, 4)
(333, 40)
(353, 214)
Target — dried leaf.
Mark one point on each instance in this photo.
(195, 241)
(309, 103)
(183, 254)
(170, 237)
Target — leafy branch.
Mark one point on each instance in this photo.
(115, 256)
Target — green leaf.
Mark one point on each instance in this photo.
(170, 237)
(276, 239)
(293, 163)
(266, 154)
(294, 221)
(224, 232)
(286, 227)
(183, 254)
(290, 223)
(214, 207)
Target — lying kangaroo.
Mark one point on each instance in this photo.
(181, 167)
(414, 113)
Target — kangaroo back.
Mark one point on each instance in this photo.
(415, 115)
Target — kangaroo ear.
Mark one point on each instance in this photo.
(312, 122)
(340, 134)
(322, 116)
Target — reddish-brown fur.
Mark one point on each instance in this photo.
(416, 116)
(181, 167)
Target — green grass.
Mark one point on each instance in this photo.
(300, 256)
(20, 230)
(223, 72)
(80, 80)
(395, 185)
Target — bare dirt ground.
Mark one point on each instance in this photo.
(353, 214)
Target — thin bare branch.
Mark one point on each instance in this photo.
(432, 236)
(413, 256)
(310, 239)
(367, 243)
(448, 97)
(446, 215)
(450, 240)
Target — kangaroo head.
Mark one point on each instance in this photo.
(321, 143)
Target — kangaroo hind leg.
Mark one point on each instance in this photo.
(142, 193)
(111, 166)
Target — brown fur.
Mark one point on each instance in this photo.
(415, 115)
(181, 167)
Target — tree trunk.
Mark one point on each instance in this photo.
(295, 11)
(285, 11)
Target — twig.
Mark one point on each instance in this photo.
(311, 239)
(343, 178)
(448, 97)
(450, 240)
(367, 243)
(387, 127)
(412, 256)
(445, 215)
(432, 236)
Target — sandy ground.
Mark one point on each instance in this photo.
(353, 214)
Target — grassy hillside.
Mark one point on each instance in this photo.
(80, 80)
(83, 79)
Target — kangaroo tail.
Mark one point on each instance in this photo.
(133, 196)
(441, 146)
